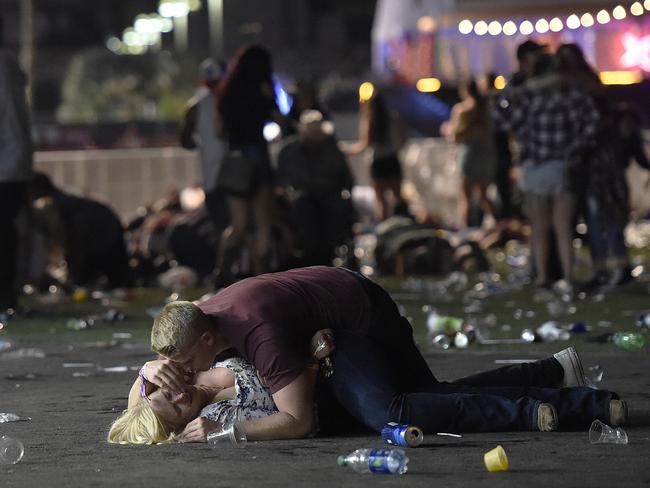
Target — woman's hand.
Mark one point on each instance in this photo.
(165, 374)
(322, 344)
(198, 429)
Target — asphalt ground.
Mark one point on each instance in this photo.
(71, 408)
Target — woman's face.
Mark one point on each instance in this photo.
(176, 410)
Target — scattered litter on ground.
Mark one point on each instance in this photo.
(23, 353)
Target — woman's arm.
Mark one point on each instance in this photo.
(355, 148)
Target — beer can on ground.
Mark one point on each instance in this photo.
(402, 434)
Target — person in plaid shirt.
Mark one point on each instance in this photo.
(554, 121)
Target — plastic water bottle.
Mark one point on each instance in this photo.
(629, 340)
(385, 461)
(11, 450)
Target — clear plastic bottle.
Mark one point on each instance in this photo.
(629, 340)
(385, 461)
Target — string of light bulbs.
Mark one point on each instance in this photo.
(555, 24)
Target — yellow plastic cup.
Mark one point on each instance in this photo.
(496, 460)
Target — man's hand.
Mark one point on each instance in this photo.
(198, 429)
(322, 344)
(165, 374)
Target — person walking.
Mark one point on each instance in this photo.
(15, 168)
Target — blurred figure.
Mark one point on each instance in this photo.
(555, 123)
(84, 233)
(528, 52)
(502, 176)
(15, 168)
(608, 196)
(380, 132)
(571, 62)
(305, 97)
(201, 128)
(246, 103)
(314, 176)
(470, 127)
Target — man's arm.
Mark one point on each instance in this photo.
(295, 417)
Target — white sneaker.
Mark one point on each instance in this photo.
(574, 375)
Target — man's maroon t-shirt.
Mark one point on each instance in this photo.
(271, 318)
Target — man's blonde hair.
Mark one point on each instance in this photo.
(178, 326)
(139, 424)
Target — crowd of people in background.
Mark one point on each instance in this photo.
(552, 142)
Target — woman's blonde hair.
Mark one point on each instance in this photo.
(139, 424)
(177, 327)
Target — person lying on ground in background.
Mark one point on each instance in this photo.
(379, 375)
(228, 392)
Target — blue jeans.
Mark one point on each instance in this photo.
(381, 377)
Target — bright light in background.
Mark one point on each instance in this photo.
(509, 28)
(587, 20)
(637, 51)
(602, 17)
(526, 27)
(500, 82)
(541, 26)
(427, 23)
(555, 24)
(620, 77)
(619, 12)
(148, 24)
(480, 28)
(271, 131)
(167, 25)
(132, 38)
(193, 5)
(573, 21)
(428, 85)
(114, 44)
(466, 26)
(366, 89)
(646, 4)
(494, 28)
(636, 8)
(282, 98)
(173, 8)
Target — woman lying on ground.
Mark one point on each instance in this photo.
(230, 391)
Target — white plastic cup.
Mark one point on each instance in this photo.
(231, 434)
(11, 450)
(600, 433)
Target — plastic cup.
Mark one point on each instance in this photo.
(231, 434)
(11, 450)
(600, 433)
(496, 460)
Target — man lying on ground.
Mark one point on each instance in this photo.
(379, 374)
